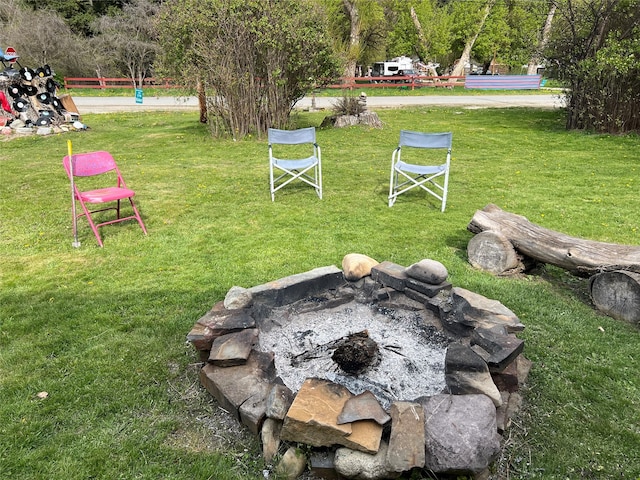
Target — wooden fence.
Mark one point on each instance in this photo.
(103, 82)
(489, 82)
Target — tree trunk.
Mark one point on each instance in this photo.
(424, 45)
(202, 102)
(617, 294)
(581, 257)
(354, 38)
(466, 53)
(542, 43)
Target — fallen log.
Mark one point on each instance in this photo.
(504, 242)
(579, 256)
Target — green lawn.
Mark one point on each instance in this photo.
(102, 331)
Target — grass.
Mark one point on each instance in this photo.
(102, 331)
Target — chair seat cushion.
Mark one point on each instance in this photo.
(103, 195)
(295, 164)
(420, 169)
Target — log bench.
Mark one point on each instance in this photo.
(506, 243)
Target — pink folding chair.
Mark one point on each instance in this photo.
(90, 165)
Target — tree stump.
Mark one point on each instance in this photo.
(617, 294)
(370, 119)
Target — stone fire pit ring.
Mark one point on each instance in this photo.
(359, 434)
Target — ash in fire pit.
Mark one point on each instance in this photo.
(396, 354)
(356, 352)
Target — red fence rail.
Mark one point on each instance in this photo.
(104, 82)
(399, 81)
(493, 82)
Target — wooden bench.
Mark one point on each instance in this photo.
(503, 82)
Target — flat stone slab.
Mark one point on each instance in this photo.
(234, 386)
(313, 419)
(503, 349)
(471, 310)
(218, 322)
(296, 287)
(430, 290)
(233, 348)
(390, 274)
(407, 440)
(363, 407)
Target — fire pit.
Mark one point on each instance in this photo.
(386, 372)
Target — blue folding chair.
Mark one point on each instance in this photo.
(406, 175)
(283, 171)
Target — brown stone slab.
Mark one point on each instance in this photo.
(233, 386)
(363, 407)
(313, 417)
(217, 322)
(406, 443)
(233, 348)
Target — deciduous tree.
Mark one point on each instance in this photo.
(255, 59)
(595, 48)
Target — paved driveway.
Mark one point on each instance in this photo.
(128, 104)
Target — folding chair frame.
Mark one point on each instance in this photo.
(406, 176)
(101, 163)
(298, 169)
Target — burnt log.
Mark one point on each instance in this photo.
(579, 256)
(617, 294)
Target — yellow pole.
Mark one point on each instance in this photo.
(75, 243)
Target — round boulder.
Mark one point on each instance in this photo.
(428, 271)
(356, 266)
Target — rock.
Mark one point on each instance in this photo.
(363, 407)
(44, 131)
(406, 443)
(428, 271)
(513, 376)
(460, 432)
(292, 464)
(370, 119)
(270, 435)
(356, 266)
(233, 348)
(296, 287)
(430, 290)
(278, 402)
(217, 322)
(313, 419)
(470, 310)
(503, 349)
(390, 274)
(243, 389)
(238, 297)
(466, 372)
(322, 465)
(354, 464)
